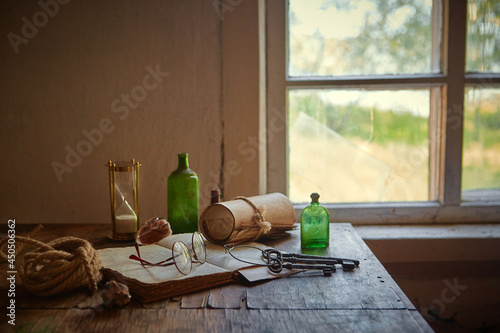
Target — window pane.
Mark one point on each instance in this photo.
(359, 37)
(483, 36)
(358, 146)
(481, 154)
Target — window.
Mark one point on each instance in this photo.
(392, 108)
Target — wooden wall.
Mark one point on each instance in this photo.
(87, 82)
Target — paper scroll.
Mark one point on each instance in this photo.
(247, 219)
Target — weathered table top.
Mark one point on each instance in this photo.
(363, 300)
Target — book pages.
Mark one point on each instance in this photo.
(218, 260)
(117, 259)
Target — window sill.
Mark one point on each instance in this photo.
(437, 243)
(428, 212)
(462, 231)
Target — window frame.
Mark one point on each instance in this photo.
(445, 125)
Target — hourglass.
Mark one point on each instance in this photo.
(124, 195)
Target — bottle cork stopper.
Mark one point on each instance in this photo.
(215, 196)
(314, 197)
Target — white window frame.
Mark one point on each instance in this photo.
(446, 127)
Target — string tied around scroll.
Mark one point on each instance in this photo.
(59, 266)
(264, 227)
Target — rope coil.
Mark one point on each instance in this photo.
(59, 266)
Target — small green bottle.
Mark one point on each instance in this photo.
(183, 190)
(315, 225)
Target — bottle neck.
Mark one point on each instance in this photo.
(183, 161)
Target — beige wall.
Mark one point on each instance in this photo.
(72, 76)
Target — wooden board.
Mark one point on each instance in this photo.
(364, 300)
(215, 320)
(368, 286)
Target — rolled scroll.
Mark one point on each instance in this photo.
(246, 219)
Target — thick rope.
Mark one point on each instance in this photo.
(59, 266)
(264, 227)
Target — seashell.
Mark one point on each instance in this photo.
(153, 231)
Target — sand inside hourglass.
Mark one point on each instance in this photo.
(126, 219)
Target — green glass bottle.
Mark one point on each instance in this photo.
(183, 190)
(315, 225)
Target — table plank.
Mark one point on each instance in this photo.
(214, 320)
(368, 286)
(227, 297)
(195, 300)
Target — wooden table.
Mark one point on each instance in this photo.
(363, 300)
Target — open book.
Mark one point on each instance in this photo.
(152, 283)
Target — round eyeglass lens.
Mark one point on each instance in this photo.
(199, 247)
(182, 257)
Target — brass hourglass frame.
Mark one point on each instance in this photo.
(122, 166)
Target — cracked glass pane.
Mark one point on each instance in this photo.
(358, 146)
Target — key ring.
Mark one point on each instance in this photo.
(274, 261)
